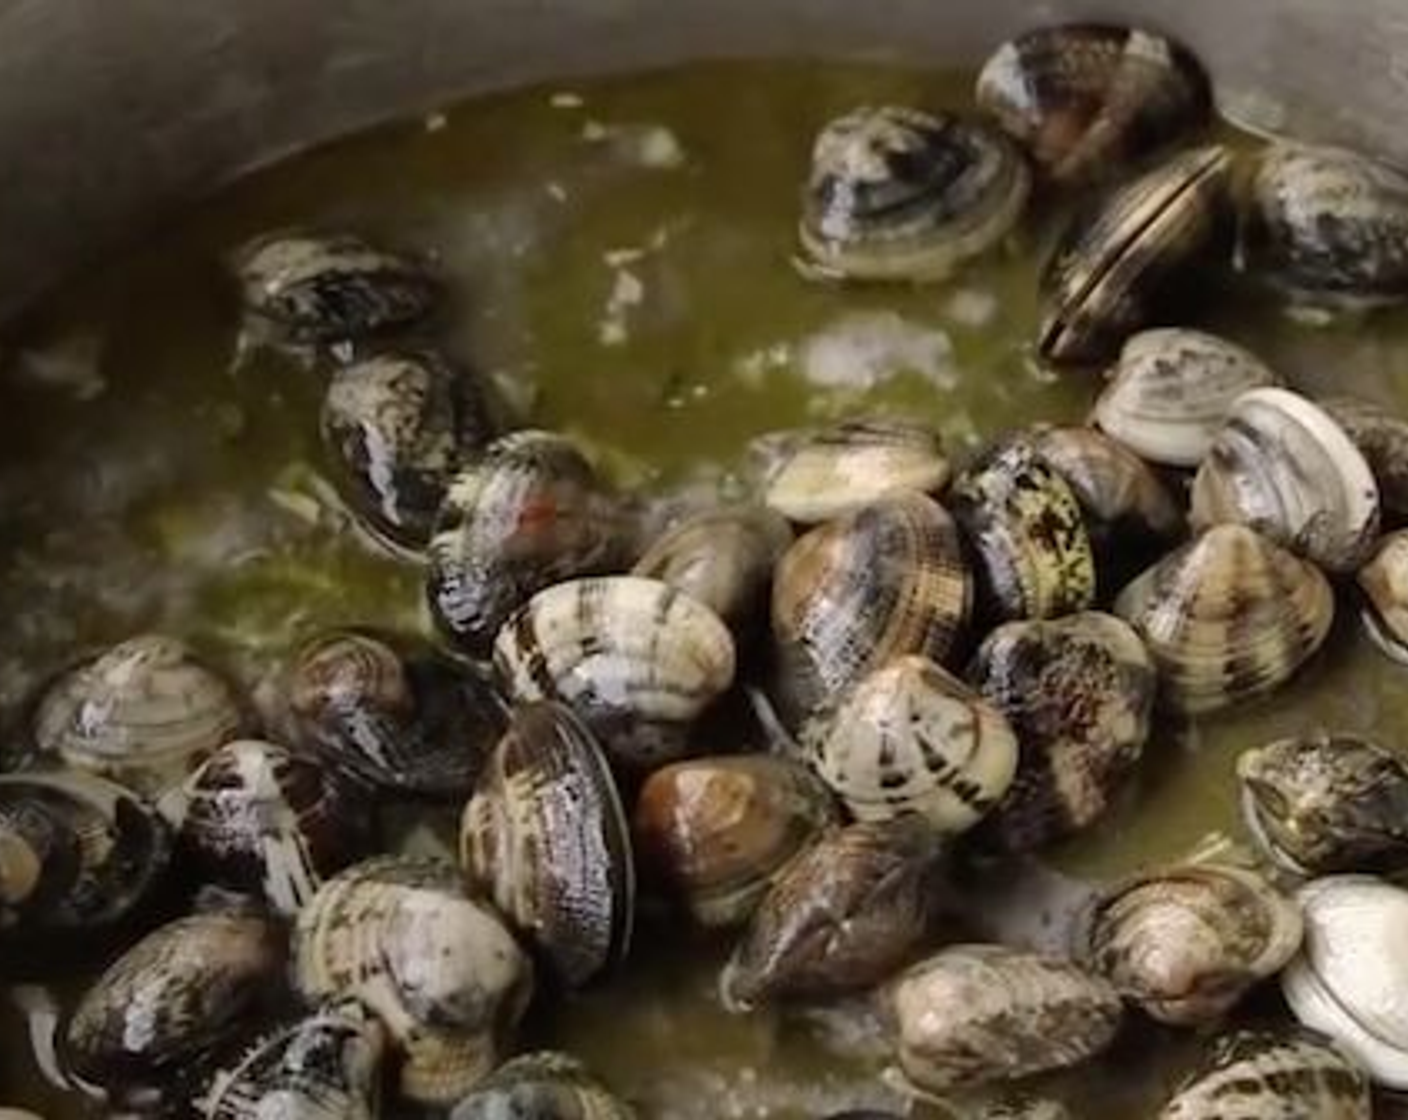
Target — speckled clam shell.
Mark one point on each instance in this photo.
(1382, 438)
(636, 659)
(1123, 252)
(1227, 617)
(1087, 100)
(1027, 530)
(973, 1014)
(1187, 943)
(1281, 465)
(1384, 581)
(911, 738)
(144, 713)
(1265, 1075)
(854, 593)
(437, 968)
(810, 476)
(895, 193)
(1171, 390)
(712, 834)
(544, 1085)
(847, 913)
(1077, 692)
(545, 837)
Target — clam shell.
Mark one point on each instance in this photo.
(637, 660)
(144, 713)
(911, 738)
(1085, 98)
(854, 593)
(1350, 980)
(546, 838)
(1171, 390)
(978, 1013)
(1077, 692)
(1187, 943)
(814, 476)
(714, 833)
(1227, 617)
(847, 913)
(1382, 438)
(545, 1085)
(1281, 465)
(899, 194)
(1384, 581)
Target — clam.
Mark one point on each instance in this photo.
(438, 969)
(1384, 581)
(900, 194)
(713, 834)
(77, 852)
(972, 1014)
(1319, 804)
(1171, 390)
(723, 558)
(1077, 693)
(546, 838)
(850, 595)
(545, 1085)
(327, 1064)
(845, 914)
(331, 288)
(185, 988)
(392, 712)
(1329, 227)
(397, 427)
(1273, 1075)
(1281, 465)
(911, 738)
(1227, 617)
(530, 512)
(1382, 438)
(1083, 98)
(1035, 558)
(257, 818)
(812, 476)
(636, 659)
(1121, 256)
(1187, 943)
(1350, 980)
(143, 713)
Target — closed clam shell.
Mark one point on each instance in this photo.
(1121, 255)
(1382, 438)
(1280, 464)
(1384, 581)
(847, 913)
(327, 288)
(854, 593)
(1187, 943)
(437, 968)
(1025, 526)
(972, 1014)
(1319, 804)
(144, 713)
(1227, 617)
(545, 1085)
(1086, 98)
(895, 193)
(40, 856)
(1171, 390)
(327, 1064)
(546, 838)
(1077, 692)
(182, 989)
(258, 818)
(911, 738)
(636, 659)
(1272, 1075)
(1350, 979)
(529, 513)
(814, 476)
(714, 833)
(722, 558)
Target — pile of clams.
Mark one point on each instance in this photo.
(802, 719)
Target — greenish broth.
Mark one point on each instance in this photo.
(618, 253)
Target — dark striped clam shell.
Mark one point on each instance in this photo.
(545, 1085)
(1382, 438)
